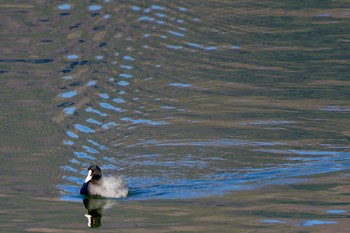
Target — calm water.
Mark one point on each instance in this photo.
(219, 115)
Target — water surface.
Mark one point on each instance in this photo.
(214, 105)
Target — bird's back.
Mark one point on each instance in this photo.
(109, 186)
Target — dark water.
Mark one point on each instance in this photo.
(219, 115)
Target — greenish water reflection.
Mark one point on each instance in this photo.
(274, 209)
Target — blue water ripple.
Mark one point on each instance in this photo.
(95, 7)
(83, 155)
(176, 33)
(67, 77)
(104, 96)
(83, 128)
(123, 83)
(180, 85)
(72, 56)
(143, 121)
(69, 168)
(64, 7)
(119, 100)
(90, 109)
(126, 67)
(68, 142)
(126, 75)
(71, 134)
(109, 125)
(174, 47)
(93, 121)
(90, 149)
(156, 7)
(160, 15)
(336, 211)
(97, 144)
(136, 8)
(310, 223)
(111, 107)
(128, 58)
(91, 83)
(68, 94)
(272, 221)
(70, 111)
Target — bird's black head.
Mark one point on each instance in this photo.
(94, 174)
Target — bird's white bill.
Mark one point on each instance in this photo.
(89, 176)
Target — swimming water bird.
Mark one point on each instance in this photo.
(97, 184)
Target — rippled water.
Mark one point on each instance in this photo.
(184, 99)
(190, 105)
(139, 102)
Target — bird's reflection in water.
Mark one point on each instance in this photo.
(95, 207)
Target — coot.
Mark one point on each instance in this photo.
(97, 184)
